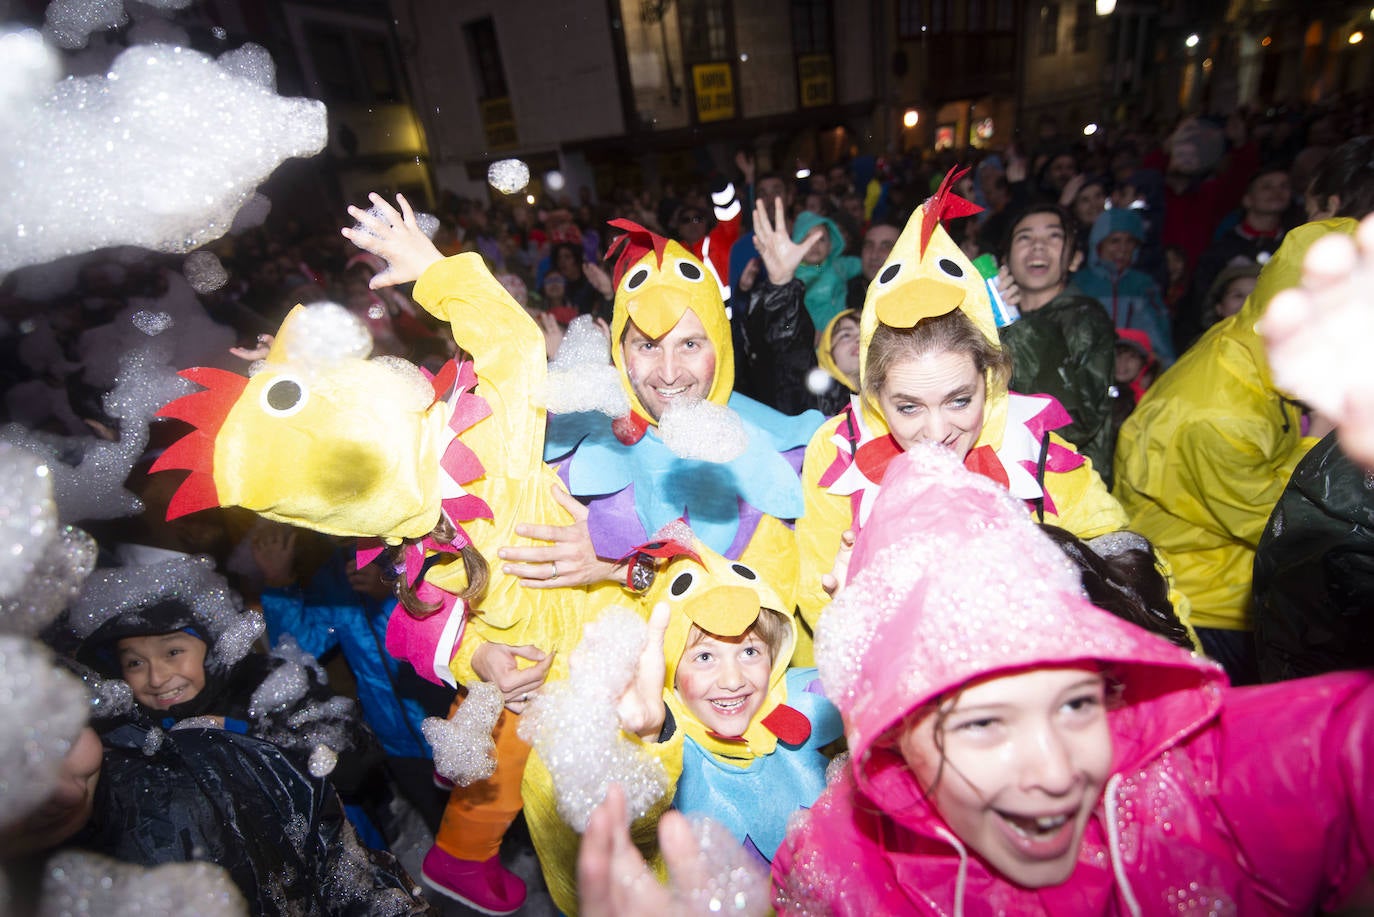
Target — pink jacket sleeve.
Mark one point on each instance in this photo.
(1295, 784)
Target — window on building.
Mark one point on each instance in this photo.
(353, 66)
(705, 30)
(910, 18)
(811, 27)
(485, 54)
(1049, 28)
(1004, 15)
(1083, 16)
(940, 18)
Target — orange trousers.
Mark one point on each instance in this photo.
(478, 815)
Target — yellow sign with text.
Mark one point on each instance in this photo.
(816, 80)
(715, 91)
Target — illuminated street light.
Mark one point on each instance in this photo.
(803, 173)
(911, 118)
(1356, 37)
(1105, 7)
(529, 198)
(1089, 130)
(1192, 40)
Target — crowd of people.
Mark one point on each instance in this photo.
(955, 534)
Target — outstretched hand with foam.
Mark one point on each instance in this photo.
(397, 237)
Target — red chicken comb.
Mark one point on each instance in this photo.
(635, 244)
(943, 205)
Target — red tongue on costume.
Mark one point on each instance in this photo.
(789, 725)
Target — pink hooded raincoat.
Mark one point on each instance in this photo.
(1221, 800)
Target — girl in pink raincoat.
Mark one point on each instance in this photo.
(1017, 750)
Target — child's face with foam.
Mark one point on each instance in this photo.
(163, 670)
(723, 680)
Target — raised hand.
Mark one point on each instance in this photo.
(596, 275)
(274, 549)
(254, 353)
(1008, 287)
(1318, 334)
(641, 708)
(779, 254)
(395, 236)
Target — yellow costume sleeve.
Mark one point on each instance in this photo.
(557, 843)
(826, 517)
(1083, 505)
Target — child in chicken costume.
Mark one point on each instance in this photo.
(323, 438)
(925, 276)
(779, 723)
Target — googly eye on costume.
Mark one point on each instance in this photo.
(682, 584)
(951, 267)
(889, 273)
(283, 396)
(689, 271)
(744, 571)
(636, 278)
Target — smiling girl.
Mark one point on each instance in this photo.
(1017, 750)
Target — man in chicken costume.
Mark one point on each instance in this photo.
(926, 276)
(440, 470)
(672, 349)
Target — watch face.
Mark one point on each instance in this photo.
(642, 574)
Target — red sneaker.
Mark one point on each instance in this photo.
(484, 885)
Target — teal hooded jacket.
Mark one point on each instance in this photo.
(825, 282)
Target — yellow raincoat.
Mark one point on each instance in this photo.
(1202, 460)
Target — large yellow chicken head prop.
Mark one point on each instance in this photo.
(321, 437)
(657, 281)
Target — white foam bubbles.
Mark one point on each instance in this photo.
(463, 747)
(581, 376)
(28, 516)
(252, 62)
(508, 175)
(42, 710)
(69, 23)
(204, 272)
(703, 430)
(160, 152)
(75, 882)
(574, 728)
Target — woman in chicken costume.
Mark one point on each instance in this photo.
(932, 368)
(441, 470)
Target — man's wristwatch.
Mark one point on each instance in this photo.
(641, 573)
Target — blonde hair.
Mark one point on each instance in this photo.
(772, 627)
(953, 331)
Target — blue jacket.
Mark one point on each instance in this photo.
(1131, 297)
(327, 615)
